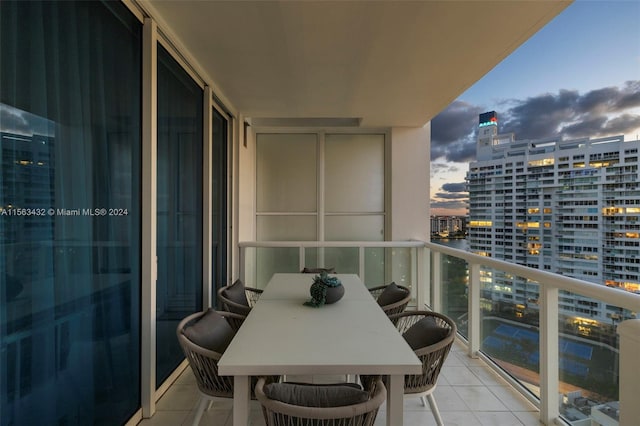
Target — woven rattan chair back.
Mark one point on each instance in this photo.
(278, 413)
(392, 308)
(252, 294)
(204, 364)
(432, 356)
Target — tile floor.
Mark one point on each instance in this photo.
(469, 393)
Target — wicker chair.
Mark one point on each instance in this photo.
(277, 413)
(204, 364)
(398, 305)
(238, 299)
(432, 356)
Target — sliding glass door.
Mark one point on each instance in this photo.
(179, 238)
(70, 144)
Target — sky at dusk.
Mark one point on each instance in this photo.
(579, 76)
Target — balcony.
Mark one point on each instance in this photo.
(514, 363)
(157, 113)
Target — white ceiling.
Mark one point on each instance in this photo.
(385, 63)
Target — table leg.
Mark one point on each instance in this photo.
(395, 400)
(241, 400)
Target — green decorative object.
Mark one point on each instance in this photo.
(325, 290)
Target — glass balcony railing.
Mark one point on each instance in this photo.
(569, 346)
(376, 263)
(552, 337)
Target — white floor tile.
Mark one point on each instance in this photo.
(498, 418)
(460, 376)
(179, 397)
(455, 359)
(214, 416)
(459, 418)
(166, 418)
(186, 378)
(487, 376)
(419, 418)
(448, 400)
(478, 398)
(528, 418)
(468, 361)
(512, 399)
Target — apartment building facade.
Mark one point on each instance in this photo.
(570, 207)
(448, 226)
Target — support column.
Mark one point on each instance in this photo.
(474, 310)
(549, 364)
(149, 215)
(436, 281)
(629, 374)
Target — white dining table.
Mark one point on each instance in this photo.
(282, 336)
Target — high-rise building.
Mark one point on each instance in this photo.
(570, 207)
(448, 226)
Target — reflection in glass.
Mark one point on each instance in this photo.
(588, 364)
(588, 350)
(69, 270)
(179, 241)
(510, 330)
(454, 284)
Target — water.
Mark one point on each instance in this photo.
(456, 243)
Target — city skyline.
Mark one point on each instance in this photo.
(577, 77)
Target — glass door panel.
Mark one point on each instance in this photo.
(179, 237)
(70, 155)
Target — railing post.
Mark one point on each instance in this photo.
(241, 263)
(549, 389)
(301, 257)
(629, 372)
(474, 310)
(436, 279)
(361, 268)
(415, 274)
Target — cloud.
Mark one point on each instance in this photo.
(540, 116)
(451, 196)
(458, 205)
(445, 169)
(624, 121)
(602, 112)
(630, 97)
(590, 126)
(438, 168)
(452, 132)
(455, 187)
(14, 120)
